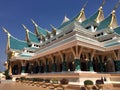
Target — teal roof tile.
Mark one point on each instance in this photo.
(64, 24)
(32, 37)
(17, 44)
(41, 31)
(25, 56)
(117, 30)
(105, 23)
(90, 19)
(112, 44)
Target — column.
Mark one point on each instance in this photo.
(47, 66)
(40, 66)
(54, 65)
(117, 62)
(77, 64)
(10, 68)
(117, 65)
(101, 64)
(76, 51)
(23, 68)
(91, 60)
(64, 64)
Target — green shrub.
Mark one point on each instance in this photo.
(88, 82)
(47, 80)
(7, 74)
(54, 81)
(22, 78)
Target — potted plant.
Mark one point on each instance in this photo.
(22, 79)
(100, 84)
(17, 79)
(64, 82)
(55, 83)
(88, 84)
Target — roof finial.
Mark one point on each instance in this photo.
(25, 27)
(6, 31)
(66, 19)
(34, 22)
(116, 7)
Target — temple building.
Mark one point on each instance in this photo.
(79, 47)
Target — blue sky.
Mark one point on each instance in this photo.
(14, 13)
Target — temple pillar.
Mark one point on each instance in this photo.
(10, 68)
(23, 67)
(76, 51)
(77, 64)
(40, 66)
(117, 62)
(46, 66)
(64, 64)
(101, 63)
(117, 65)
(54, 65)
(91, 60)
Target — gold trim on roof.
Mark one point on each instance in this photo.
(113, 22)
(81, 14)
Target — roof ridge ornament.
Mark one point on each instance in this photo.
(6, 31)
(53, 30)
(35, 24)
(100, 13)
(27, 30)
(66, 19)
(81, 13)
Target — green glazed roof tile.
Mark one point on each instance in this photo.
(32, 37)
(64, 24)
(105, 23)
(117, 30)
(90, 19)
(25, 56)
(112, 44)
(17, 44)
(41, 31)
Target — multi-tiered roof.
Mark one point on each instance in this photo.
(96, 28)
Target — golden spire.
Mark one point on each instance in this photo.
(81, 17)
(113, 22)
(100, 16)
